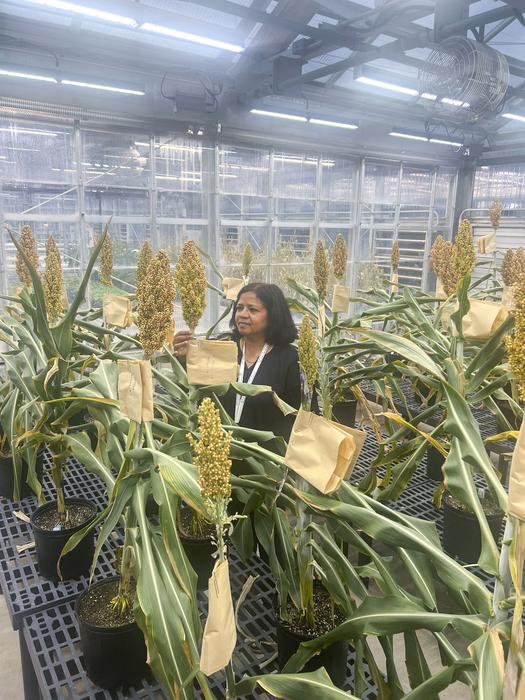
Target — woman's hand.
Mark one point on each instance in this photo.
(180, 343)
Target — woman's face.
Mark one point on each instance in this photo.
(251, 316)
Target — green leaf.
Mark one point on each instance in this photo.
(440, 681)
(306, 686)
(415, 662)
(80, 446)
(487, 652)
(404, 347)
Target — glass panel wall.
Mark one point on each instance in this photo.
(67, 181)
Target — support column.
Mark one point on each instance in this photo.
(464, 192)
(83, 247)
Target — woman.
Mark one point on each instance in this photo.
(262, 325)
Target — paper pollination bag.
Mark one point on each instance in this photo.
(487, 244)
(394, 287)
(135, 390)
(211, 362)
(220, 634)
(507, 297)
(440, 289)
(340, 299)
(517, 477)
(483, 319)
(231, 287)
(116, 310)
(323, 452)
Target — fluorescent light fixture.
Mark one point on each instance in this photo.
(182, 179)
(141, 143)
(414, 137)
(87, 12)
(35, 132)
(445, 142)
(428, 96)
(97, 86)
(327, 122)
(450, 101)
(28, 76)
(517, 117)
(194, 38)
(279, 115)
(387, 86)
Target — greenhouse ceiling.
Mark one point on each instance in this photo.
(439, 80)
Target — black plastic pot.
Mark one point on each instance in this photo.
(344, 412)
(333, 658)
(49, 545)
(7, 480)
(113, 656)
(461, 532)
(200, 553)
(435, 461)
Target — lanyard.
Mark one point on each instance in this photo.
(240, 400)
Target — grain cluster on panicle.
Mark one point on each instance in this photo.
(155, 299)
(28, 245)
(518, 264)
(211, 454)
(247, 260)
(321, 271)
(339, 258)
(443, 255)
(465, 256)
(515, 341)
(144, 259)
(307, 348)
(190, 280)
(394, 255)
(106, 261)
(53, 281)
(507, 267)
(495, 214)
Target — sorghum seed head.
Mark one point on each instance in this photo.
(515, 341)
(495, 214)
(247, 259)
(465, 258)
(394, 256)
(307, 348)
(190, 280)
(155, 299)
(321, 271)
(211, 454)
(106, 261)
(507, 267)
(28, 245)
(53, 281)
(339, 258)
(144, 259)
(518, 265)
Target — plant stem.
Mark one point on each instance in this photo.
(57, 476)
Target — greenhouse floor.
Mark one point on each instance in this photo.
(11, 685)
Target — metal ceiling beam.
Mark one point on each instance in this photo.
(481, 19)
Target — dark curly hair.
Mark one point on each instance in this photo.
(281, 329)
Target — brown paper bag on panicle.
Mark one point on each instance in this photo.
(487, 244)
(231, 287)
(116, 310)
(135, 390)
(211, 362)
(517, 477)
(220, 633)
(440, 290)
(340, 299)
(483, 319)
(323, 452)
(395, 283)
(507, 297)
